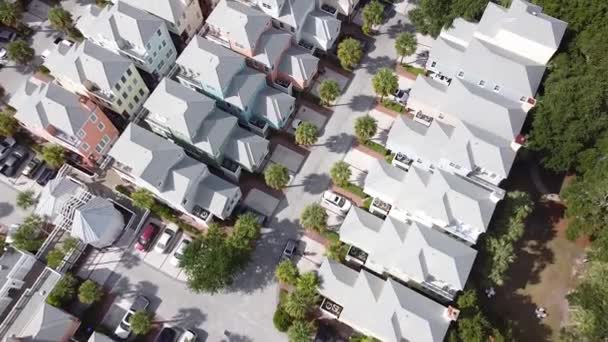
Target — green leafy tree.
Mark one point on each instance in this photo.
(365, 128)
(54, 258)
(276, 176)
(89, 292)
(10, 13)
(373, 14)
(69, 244)
(53, 155)
(300, 331)
(19, 51)
(8, 124)
(430, 16)
(143, 198)
(281, 319)
(63, 292)
(314, 217)
(385, 82)
(287, 272)
(362, 338)
(472, 324)
(307, 284)
(61, 20)
(141, 323)
(246, 231)
(405, 44)
(307, 134)
(298, 305)
(329, 90)
(350, 52)
(28, 236)
(25, 199)
(340, 173)
(210, 261)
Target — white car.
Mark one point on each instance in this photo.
(123, 330)
(187, 336)
(165, 239)
(3, 54)
(336, 201)
(179, 251)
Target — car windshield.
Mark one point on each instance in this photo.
(340, 201)
(124, 324)
(142, 240)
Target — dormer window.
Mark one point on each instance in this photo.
(433, 64)
(460, 74)
(497, 88)
(482, 83)
(265, 5)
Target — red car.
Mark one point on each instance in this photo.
(145, 238)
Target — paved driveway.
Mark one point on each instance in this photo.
(291, 159)
(9, 212)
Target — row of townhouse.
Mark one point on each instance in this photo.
(439, 195)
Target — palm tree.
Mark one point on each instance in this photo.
(329, 90)
(300, 331)
(385, 82)
(306, 134)
(405, 44)
(61, 20)
(372, 15)
(365, 128)
(287, 272)
(143, 198)
(19, 52)
(314, 217)
(340, 173)
(350, 52)
(53, 155)
(276, 176)
(25, 199)
(10, 13)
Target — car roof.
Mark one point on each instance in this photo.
(140, 303)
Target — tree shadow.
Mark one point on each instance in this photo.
(188, 318)
(6, 209)
(361, 103)
(259, 272)
(373, 64)
(235, 337)
(316, 183)
(339, 143)
(129, 260)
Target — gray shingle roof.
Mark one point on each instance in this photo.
(121, 23)
(88, 62)
(213, 64)
(443, 196)
(41, 104)
(97, 223)
(170, 173)
(273, 105)
(241, 23)
(294, 12)
(271, 46)
(299, 64)
(322, 26)
(384, 309)
(49, 324)
(245, 88)
(246, 148)
(169, 10)
(410, 248)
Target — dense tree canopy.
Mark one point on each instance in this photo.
(432, 15)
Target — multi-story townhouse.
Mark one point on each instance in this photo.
(133, 33)
(437, 198)
(249, 32)
(408, 250)
(470, 111)
(383, 309)
(108, 78)
(311, 27)
(192, 120)
(506, 51)
(218, 72)
(61, 117)
(185, 184)
(183, 17)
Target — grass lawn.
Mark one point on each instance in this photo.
(412, 69)
(394, 106)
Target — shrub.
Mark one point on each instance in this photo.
(287, 272)
(89, 292)
(282, 321)
(141, 323)
(314, 217)
(63, 292)
(276, 176)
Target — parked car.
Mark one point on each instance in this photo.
(401, 95)
(7, 36)
(45, 175)
(168, 334)
(13, 161)
(6, 146)
(123, 330)
(289, 250)
(336, 202)
(146, 237)
(165, 239)
(179, 251)
(31, 167)
(3, 54)
(188, 336)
